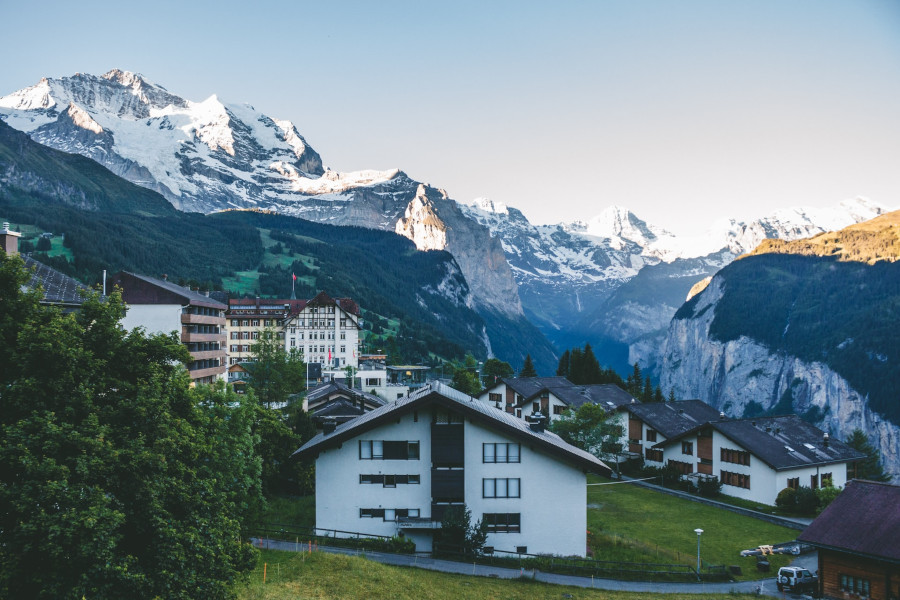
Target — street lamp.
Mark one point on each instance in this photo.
(698, 532)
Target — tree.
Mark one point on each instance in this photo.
(870, 467)
(274, 372)
(589, 428)
(466, 382)
(459, 535)
(116, 478)
(528, 368)
(564, 368)
(494, 369)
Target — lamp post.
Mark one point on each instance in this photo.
(698, 532)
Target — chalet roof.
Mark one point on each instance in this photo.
(436, 393)
(189, 296)
(609, 396)
(864, 519)
(783, 442)
(673, 418)
(58, 288)
(340, 409)
(329, 388)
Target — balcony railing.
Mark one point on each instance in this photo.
(209, 372)
(188, 318)
(208, 354)
(203, 337)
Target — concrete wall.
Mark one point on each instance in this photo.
(155, 318)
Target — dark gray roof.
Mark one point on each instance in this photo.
(324, 390)
(188, 294)
(58, 288)
(610, 396)
(340, 410)
(864, 520)
(784, 442)
(673, 418)
(437, 393)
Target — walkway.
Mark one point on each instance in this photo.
(768, 587)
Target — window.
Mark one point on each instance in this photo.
(235, 335)
(502, 522)
(390, 480)
(235, 322)
(826, 480)
(495, 398)
(256, 322)
(684, 468)
(535, 407)
(343, 349)
(254, 335)
(500, 453)
(738, 457)
(500, 488)
(373, 381)
(655, 455)
(343, 336)
(814, 481)
(558, 409)
(651, 435)
(246, 323)
(268, 322)
(687, 447)
(855, 585)
(735, 479)
(794, 483)
(381, 450)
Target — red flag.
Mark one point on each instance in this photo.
(329, 354)
(294, 276)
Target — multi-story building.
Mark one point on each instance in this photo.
(551, 396)
(326, 330)
(160, 306)
(400, 467)
(247, 318)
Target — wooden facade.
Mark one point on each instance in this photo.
(849, 577)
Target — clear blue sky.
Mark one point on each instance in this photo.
(681, 111)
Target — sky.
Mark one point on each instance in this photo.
(682, 111)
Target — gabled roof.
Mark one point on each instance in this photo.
(673, 418)
(186, 295)
(785, 442)
(864, 520)
(330, 388)
(436, 393)
(609, 396)
(341, 410)
(58, 288)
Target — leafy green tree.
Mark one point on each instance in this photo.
(870, 467)
(466, 382)
(459, 534)
(274, 372)
(116, 478)
(589, 428)
(494, 369)
(528, 368)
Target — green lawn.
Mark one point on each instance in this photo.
(243, 282)
(31, 233)
(290, 576)
(297, 511)
(629, 522)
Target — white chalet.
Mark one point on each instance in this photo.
(551, 396)
(326, 330)
(397, 469)
(758, 457)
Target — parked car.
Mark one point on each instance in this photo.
(797, 579)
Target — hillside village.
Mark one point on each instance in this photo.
(402, 456)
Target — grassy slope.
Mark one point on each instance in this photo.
(661, 528)
(292, 576)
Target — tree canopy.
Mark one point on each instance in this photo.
(589, 428)
(528, 368)
(117, 479)
(870, 467)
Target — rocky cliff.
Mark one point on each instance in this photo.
(744, 377)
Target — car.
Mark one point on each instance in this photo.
(797, 579)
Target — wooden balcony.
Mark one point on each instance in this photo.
(189, 319)
(203, 337)
(209, 372)
(208, 354)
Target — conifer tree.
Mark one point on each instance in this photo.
(528, 368)
(870, 467)
(563, 370)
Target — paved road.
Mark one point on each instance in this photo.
(768, 587)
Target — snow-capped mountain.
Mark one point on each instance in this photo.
(209, 156)
(616, 280)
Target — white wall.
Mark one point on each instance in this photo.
(155, 318)
(553, 502)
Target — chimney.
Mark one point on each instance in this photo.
(328, 426)
(825, 439)
(537, 422)
(722, 415)
(9, 240)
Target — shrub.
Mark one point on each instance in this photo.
(826, 495)
(786, 499)
(806, 501)
(709, 487)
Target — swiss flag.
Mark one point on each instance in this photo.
(294, 275)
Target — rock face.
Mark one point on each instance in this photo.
(742, 377)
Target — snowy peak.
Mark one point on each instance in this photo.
(489, 206)
(621, 225)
